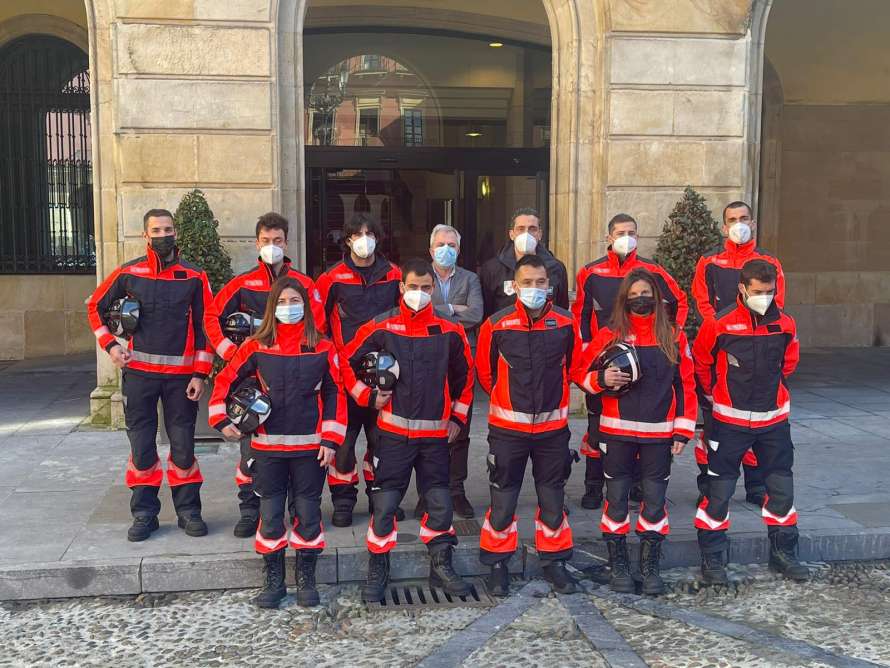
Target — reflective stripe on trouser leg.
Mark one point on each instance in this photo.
(653, 514)
(615, 517)
(553, 535)
(778, 508)
(383, 529)
(177, 476)
(150, 477)
(267, 545)
(499, 537)
(713, 511)
(307, 532)
(435, 526)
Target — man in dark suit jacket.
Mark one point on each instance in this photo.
(496, 274)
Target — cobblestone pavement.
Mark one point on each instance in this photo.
(843, 610)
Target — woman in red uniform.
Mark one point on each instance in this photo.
(649, 418)
(291, 362)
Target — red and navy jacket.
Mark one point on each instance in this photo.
(304, 384)
(742, 361)
(715, 285)
(352, 296)
(525, 366)
(435, 382)
(662, 406)
(597, 288)
(248, 293)
(176, 316)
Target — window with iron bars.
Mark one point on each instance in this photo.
(46, 190)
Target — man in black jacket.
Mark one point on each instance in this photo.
(496, 274)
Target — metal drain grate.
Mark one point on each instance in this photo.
(408, 595)
(467, 527)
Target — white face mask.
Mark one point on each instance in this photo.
(271, 254)
(625, 245)
(289, 314)
(533, 298)
(740, 233)
(758, 303)
(364, 246)
(416, 299)
(525, 243)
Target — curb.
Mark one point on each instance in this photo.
(133, 576)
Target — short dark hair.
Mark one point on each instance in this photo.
(272, 221)
(523, 211)
(738, 204)
(529, 261)
(155, 213)
(363, 219)
(621, 218)
(759, 270)
(416, 266)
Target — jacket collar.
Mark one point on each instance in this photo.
(507, 256)
(525, 317)
(289, 337)
(643, 326)
(617, 265)
(378, 269)
(269, 273)
(739, 250)
(156, 263)
(416, 319)
(755, 319)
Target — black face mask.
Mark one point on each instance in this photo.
(163, 245)
(641, 305)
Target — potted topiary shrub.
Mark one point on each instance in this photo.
(689, 231)
(197, 238)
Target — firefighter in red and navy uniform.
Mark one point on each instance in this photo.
(715, 286)
(168, 358)
(743, 357)
(597, 287)
(418, 418)
(524, 359)
(299, 371)
(247, 293)
(653, 419)
(354, 291)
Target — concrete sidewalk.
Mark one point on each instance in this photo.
(64, 509)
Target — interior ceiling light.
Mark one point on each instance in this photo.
(495, 45)
(474, 133)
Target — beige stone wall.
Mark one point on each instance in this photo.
(44, 315)
(679, 86)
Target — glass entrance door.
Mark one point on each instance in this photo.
(475, 191)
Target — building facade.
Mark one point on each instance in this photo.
(423, 112)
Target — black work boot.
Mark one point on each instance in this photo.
(142, 528)
(650, 557)
(498, 581)
(556, 574)
(193, 524)
(246, 526)
(374, 589)
(443, 575)
(713, 568)
(620, 579)
(462, 506)
(304, 575)
(273, 588)
(783, 556)
(593, 496)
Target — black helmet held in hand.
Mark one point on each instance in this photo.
(622, 356)
(123, 317)
(238, 326)
(248, 407)
(379, 370)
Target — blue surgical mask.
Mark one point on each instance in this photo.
(445, 256)
(289, 314)
(533, 298)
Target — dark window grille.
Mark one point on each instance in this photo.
(413, 123)
(46, 189)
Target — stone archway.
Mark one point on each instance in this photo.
(576, 135)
